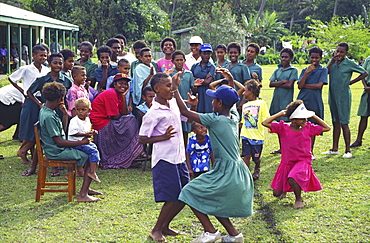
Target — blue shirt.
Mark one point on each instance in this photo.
(112, 70)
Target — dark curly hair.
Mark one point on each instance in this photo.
(53, 91)
(292, 106)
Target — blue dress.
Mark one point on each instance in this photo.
(199, 154)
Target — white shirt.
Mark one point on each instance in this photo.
(9, 95)
(190, 60)
(129, 57)
(76, 125)
(28, 74)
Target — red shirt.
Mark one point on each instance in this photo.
(108, 103)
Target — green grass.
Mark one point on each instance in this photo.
(338, 213)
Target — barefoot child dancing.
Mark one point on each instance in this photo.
(295, 171)
(227, 189)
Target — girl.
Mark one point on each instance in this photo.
(77, 90)
(295, 171)
(227, 190)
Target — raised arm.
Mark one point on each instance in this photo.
(267, 121)
(320, 122)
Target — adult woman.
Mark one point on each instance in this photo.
(117, 139)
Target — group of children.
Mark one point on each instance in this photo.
(223, 186)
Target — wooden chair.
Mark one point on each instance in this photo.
(44, 163)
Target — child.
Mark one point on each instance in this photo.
(28, 74)
(56, 65)
(239, 71)
(162, 127)
(255, 70)
(199, 151)
(340, 70)
(52, 134)
(123, 54)
(106, 70)
(310, 84)
(295, 171)
(252, 132)
(69, 60)
(147, 96)
(204, 73)
(123, 67)
(168, 46)
(142, 74)
(77, 90)
(221, 61)
(79, 128)
(283, 80)
(86, 52)
(115, 46)
(186, 86)
(363, 108)
(226, 190)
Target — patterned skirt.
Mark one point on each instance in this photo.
(118, 143)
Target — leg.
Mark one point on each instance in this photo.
(92, 173)
(22, 152)
(336, 135)
(279, 194)
(84, 196)
(228, 226)
(297, 192)
(166, 213)
(257, 169)
(347, 136)
(204, 220)
(247, 160)
(361, 129)
(177, 207)
(313, 138)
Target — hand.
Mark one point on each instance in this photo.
(367, 89)
(169, 133)
(310, 68)
(191, 173)
(85, 141)
(126, 91)
(255, 75)
(152, 70)
(192, 100)
(90, 134)
(104, 64)
(225, 72)
(63, 108)
(198, 82)
(169, 71)
(129, 109)
(282, 113)
(176, 79)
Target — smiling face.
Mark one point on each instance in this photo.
(68, 64)
(199, 129)
(300, 122)
(85, 53)
(56, 64)
(168, 48)
(233, 54)
(163, 89)
(251, 53)
(341, 52)
(82, 110)
(121, 86)
(285, 59)
(80, 77)
(194, 48)
(315, 59)
(39, 57)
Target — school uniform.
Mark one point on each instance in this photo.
(112, 70)
(364, 108)
(90, 68)
(255, 68)
(225, 64)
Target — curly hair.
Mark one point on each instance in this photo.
(292, 106)
(253, 86)
(53, 91)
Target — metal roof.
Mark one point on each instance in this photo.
(14, 15)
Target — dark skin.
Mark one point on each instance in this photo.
(86, 54)
(104, 60)
(121, 87)
(285, 62)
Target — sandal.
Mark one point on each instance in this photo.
(256, 174)
(54, 174)
(356, 144)
(276, 152)
(27, 173)
(1, 156)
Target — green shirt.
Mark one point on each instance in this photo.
(90, 67)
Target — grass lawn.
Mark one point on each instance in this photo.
(338, 213)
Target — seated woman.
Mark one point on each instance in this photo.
(117, 137)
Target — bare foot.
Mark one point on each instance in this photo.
(283, 195)
(27, 162)
(169, 231)
(298, 204)
(93, 176)
(23, 156)
(87, 198)
(80, 172)
(157, 236)
(93, 192)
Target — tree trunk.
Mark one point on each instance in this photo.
(260, 11)
(335, 8)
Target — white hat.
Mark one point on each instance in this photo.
(195, 40)
(301, 112)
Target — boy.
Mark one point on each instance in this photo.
(340, 70)
(252, 132)
(283, 80)
(86, 52)
(115, 45)
(106, 70)
(168, 46)
(186, 85)
(147, 96)
(77, 90)
(52, 134)
(204, 73)
(69, 60)
(255, 70)
(28, 74)
(138, 45)
(162, 127)
(142, 75)
(310, 84)
(123, 54)
(221, 61)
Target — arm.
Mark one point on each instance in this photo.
(267, 122)
(332, 61)
(314, 86)
(66, 143)
(274, 84)
(103, 82)
(34, 99)
(214, 83)
(212, 159)
(17, 87)
(146, 81)
(208, 79)
(191, 173)
(320, 122)
(154, 139)
(302, 82)
(124, 106)
(65, 117)
(360, 77)
(288, 85)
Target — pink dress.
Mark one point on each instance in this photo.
(296, 157)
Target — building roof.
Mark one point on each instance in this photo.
(176, 32)
(14, 15)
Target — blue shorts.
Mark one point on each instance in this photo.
(91, 150)
(168, 180)
(254, 151)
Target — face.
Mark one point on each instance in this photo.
(168, 47)
(85, 53)
(233, 54)
(80, 77)
(68, 64)
(148, 97)
(315, 59)
(341, 52)
(82, 110)
(163, 89)
(104, 57)
(199, 129)
(116, 48)
(122, 43)
(285, 58)
(194, 48)
(39, 57)
(216, 104)
(146, 58)
(299, 121)
(121, 86)
(247, 92)
(251, 53)
(205, 55)
(56, 64)
(220, 54)
(124, 68)
(178, 61)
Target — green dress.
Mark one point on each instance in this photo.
(363, 108)
(227, 189)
